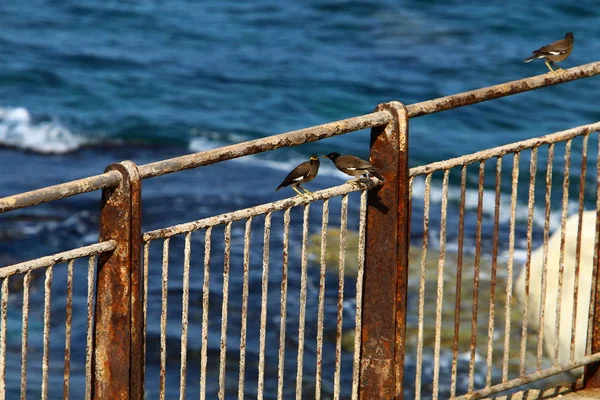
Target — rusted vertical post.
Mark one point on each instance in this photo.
(118, 320)
(386, 262)
(591, 376)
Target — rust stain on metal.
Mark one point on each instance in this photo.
(113, 376)
(384, 313)
(137, 301)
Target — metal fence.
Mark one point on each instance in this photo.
(504, 367)
(124, 319)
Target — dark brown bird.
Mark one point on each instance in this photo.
(354, 166)
(554, 52)
(303, 173)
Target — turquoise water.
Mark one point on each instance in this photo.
(85, 84)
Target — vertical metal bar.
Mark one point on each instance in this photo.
(582, 179)
(440, 287)
(459, 265)
(224, 308)
(359, 291)
(561, 259)
(476, 276)
(340, 303)
(530, 211)
(283, 307)
(422, 280)
(244, 309)
(509, 272)
(386, 262)
(89, 343)
(137, 320)
(591, 377)
(46, 338)
(302, 313)
(145, 306)
(3, 338)
(185, 301)
(530, 204)
(163, 319)
(25, 334)
(68, 319)
(540, 348)
(492, 313)
(118, 339)
(205, 298)
(264, 304)
(321, 309)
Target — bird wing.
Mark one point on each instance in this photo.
(357, 163)
(556, 48)
(299, 173)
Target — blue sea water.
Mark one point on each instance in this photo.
(85, 84)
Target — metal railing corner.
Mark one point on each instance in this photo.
(386, 261)
(118, 341)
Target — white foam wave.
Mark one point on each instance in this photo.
(18, 130)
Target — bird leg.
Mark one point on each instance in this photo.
(297, 191)
(306, 190)
(549, 66)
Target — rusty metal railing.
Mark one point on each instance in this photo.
(122, 311)
(295, 138)
(26, 272)
(498, 271)
(230, 268)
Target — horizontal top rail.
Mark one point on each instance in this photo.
(60, 191)
(502, 90)
(274, 142)
(503, 150)
(295, 138)
(257, 210)
(42, 262)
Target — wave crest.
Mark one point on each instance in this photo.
(18, 130)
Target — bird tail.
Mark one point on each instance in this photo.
(279, 187)
(533, 57)
(376, 174)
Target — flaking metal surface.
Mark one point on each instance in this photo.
(380, 340)
(113, 319)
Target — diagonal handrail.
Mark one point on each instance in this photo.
(295, 138)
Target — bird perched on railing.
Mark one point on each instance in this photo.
(354, 166)
(554, 52)
(303, 173)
